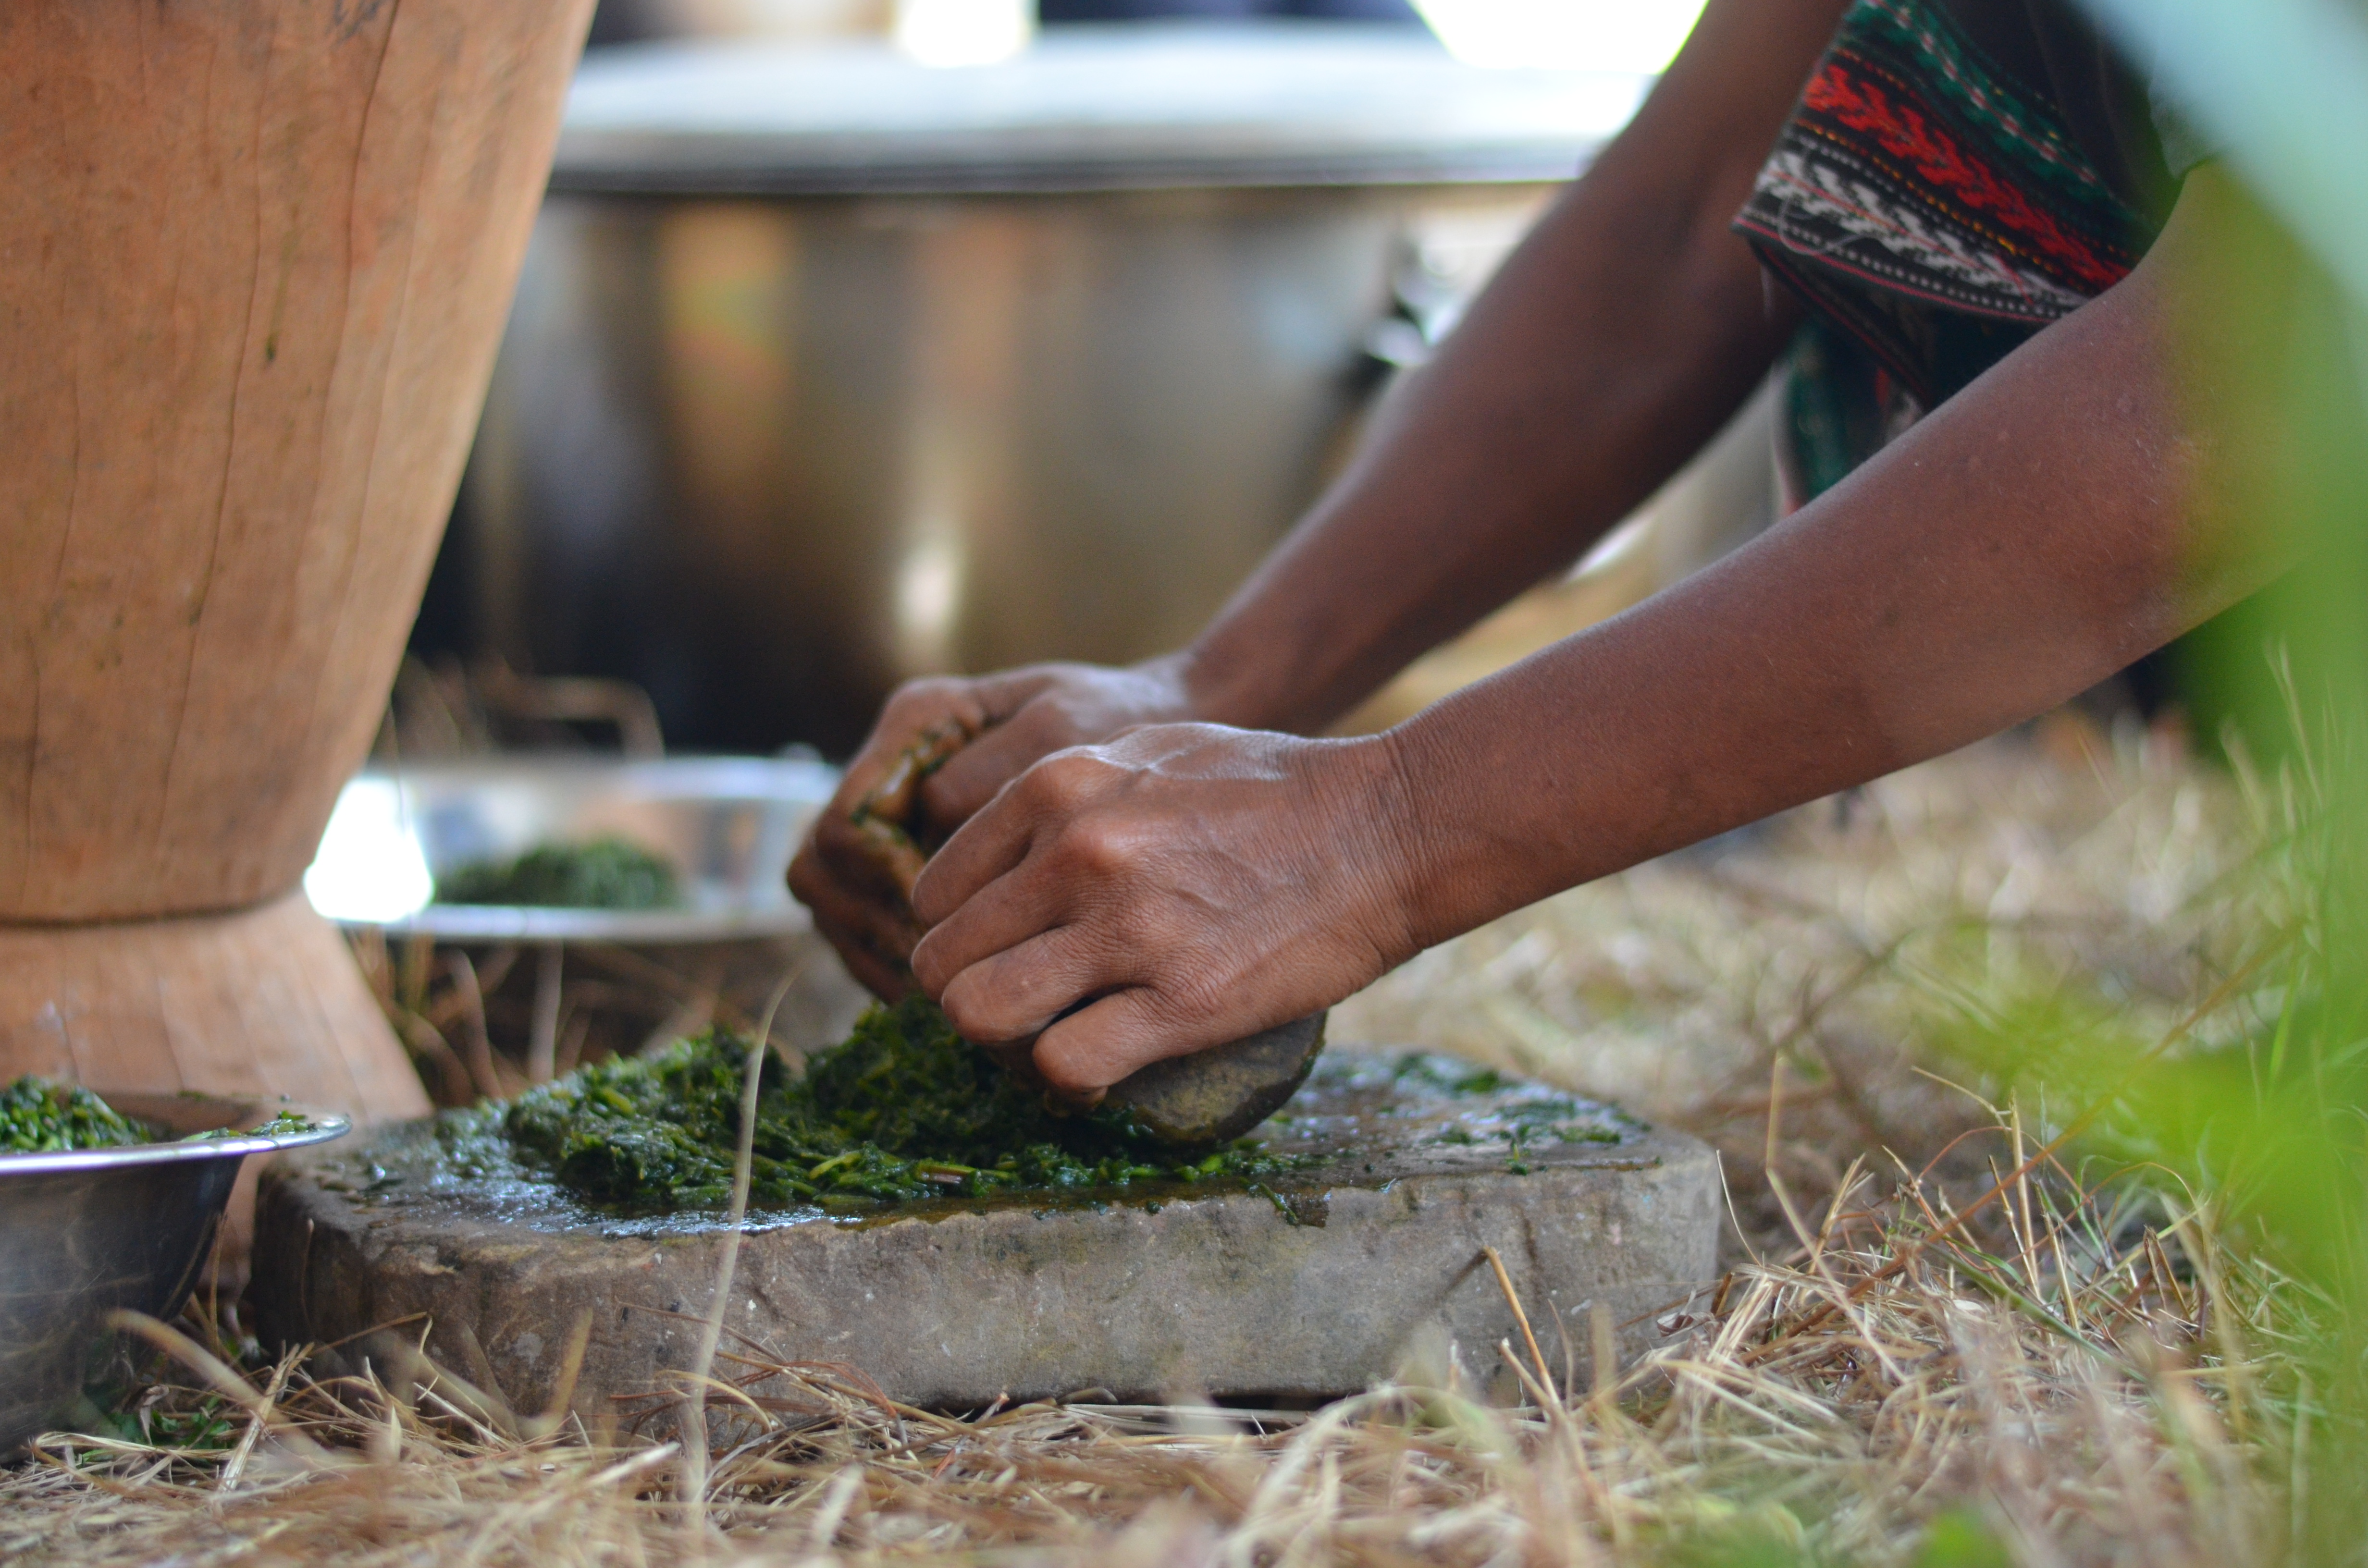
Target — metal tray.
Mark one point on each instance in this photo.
(729, 826)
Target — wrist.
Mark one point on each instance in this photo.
(1382, 838)
(1244, 682)
(1454, 852)
(1166, 694)
(1215, 689)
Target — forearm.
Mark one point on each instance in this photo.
(2034, 535)
(1619, 337)
(1191, 883)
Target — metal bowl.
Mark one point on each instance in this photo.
(728, 824)
(90, 1231)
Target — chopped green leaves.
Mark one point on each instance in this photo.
(904, 1109)
(606, 873)
(39, 1117)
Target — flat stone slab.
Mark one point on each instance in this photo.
(1312, 1285)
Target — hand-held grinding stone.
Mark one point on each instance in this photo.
(1314, 1284)
(1215, 1096)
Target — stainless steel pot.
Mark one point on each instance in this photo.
(827, 370)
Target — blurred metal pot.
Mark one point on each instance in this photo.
(827, 370)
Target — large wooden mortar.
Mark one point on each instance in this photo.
(255, 256)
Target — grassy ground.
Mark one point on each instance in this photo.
(1944, 1340)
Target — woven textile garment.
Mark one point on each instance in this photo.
(1958, 174)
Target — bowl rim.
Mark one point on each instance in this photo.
(761, 909)
(782, 917)
(326, 1125)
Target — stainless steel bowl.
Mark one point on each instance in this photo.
(827, 370)
(728, 824)
(87, 1232)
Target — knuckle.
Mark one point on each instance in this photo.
(1097, 846)
(929, 691)
(962, 1011)
(919, 703)
(1065, 779)
(832, 906)
(898, 713)
(932, 969)
(1192, 1003)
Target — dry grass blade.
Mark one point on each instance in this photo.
(711, 1330)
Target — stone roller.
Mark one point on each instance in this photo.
(1209, 1096)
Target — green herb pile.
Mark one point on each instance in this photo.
(904, 1109)
(37, 1116)
(606, 873)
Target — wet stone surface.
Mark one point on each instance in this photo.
(1316, 1281)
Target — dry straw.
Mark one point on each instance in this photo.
(1936, 1344)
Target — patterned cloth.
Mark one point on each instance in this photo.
(1958, 175)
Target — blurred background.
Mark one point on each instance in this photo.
(862, 340)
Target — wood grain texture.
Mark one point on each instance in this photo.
(254, 257)
(260, 1002)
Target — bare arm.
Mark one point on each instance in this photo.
(2036, 533)
(2039, 530)
(1631, 323)
(1624, 331)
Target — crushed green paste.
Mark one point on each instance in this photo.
(37, 1116)
(606, 873)
(904, 1109)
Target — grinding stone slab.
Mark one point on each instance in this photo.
(1312, 1285)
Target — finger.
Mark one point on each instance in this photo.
(866, 953)
(840, 915)
(838, 852)
(992, 842)
(977, 773)
(1016, 992)
(912, 709)
(1024, 903)
(873, 940)
(1118, 1035)
(1001, 695)
(838, 866)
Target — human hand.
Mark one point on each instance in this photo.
(941, 749)
(1192, 884)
